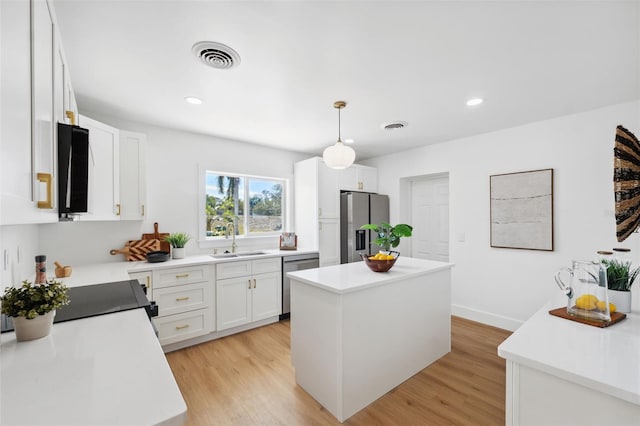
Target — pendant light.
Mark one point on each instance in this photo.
(339, 156)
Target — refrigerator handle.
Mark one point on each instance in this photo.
(361, 240)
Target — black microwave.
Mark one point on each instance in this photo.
(73, 169)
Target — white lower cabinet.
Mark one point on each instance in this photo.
(184, 298)
(248, 291)
(179, 327)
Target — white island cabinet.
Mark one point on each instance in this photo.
(563, 372)
(103, 370)
(356, 334)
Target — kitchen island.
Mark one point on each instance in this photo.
(356, 334)
(564, 372)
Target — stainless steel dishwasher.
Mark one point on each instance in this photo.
(295, 262)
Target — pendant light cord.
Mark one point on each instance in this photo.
(339, 134)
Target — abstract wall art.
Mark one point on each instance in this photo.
(522, 210)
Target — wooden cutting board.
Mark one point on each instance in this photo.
(164, 246)
(135, 250)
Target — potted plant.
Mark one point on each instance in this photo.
(620, 278)
(388, 236)
(178, 242)
(33, 307)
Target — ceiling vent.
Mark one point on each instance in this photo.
(393, 125)
(216, 55)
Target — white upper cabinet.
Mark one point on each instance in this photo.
(27, 116)
(359, 178)
(104, 171)
(317, 203)
(133, 181)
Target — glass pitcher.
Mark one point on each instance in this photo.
(585, 285)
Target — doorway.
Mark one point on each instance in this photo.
(429, 206)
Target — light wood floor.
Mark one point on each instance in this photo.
(247, 379)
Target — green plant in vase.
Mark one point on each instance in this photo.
(178, 239)
(388, 236)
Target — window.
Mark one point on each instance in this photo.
(254, 204)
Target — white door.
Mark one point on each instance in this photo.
(430, 218)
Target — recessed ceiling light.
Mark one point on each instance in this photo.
(474, 102)
(349, 141)
(193, 100)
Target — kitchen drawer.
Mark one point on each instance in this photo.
(270, 264)
(179, 327)
(178, 276)
(183, 298)
(233, 269)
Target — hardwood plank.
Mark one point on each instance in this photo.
(247, 379)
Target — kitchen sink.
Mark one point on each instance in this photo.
(241, 254)
(251, 253)
(223, 255)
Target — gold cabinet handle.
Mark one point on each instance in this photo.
(47, 179)
(182, 275)
(180, 299)
(148, 281)
(142, 209)
(117, 209)
(182, 327)
(249, 284)
(254, 283)
(71, 116)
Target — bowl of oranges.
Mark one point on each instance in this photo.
(380, 262)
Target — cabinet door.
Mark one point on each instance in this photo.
(104, 177)
(348, 178)
(42, 110)
(132, 176)
(328, 193)
(266, 295)
(15, 114)
(368, 177)
(233, 302)
(329, 237)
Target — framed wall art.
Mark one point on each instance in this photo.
(522, 210)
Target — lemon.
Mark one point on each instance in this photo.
(612, 307)
(587, 302)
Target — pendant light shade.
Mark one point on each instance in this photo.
(339, 156)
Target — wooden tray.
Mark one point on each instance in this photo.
(164, 245)
(562, 313)
(135, 250)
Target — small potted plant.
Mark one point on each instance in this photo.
(178, 242)
(620, 278)
(33, 307)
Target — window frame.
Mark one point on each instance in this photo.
(205, 241)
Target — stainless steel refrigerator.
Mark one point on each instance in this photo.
(357, 209)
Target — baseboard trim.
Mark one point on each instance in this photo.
(488, 318)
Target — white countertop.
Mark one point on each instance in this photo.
(118, 271)
(104, 370)
(357, 276)
(603, 359)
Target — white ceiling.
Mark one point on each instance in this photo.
(389, 60)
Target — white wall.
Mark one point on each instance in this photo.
(172, 192)
(504, 287)
(19, 246)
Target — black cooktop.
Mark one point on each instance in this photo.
(99, 299)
